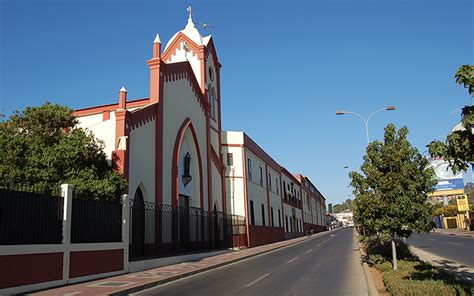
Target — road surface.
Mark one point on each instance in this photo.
(454, 248)
(326, 265)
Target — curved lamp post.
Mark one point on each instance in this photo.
(366, 121)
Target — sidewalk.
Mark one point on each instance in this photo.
(133, 282)
(460, 270)
(455, 232)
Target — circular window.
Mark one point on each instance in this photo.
(211, 74)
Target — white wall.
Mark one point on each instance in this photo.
(142, 160)
(216, 187)
(179, 103)
(274, 189)
(103, 130)
(256, 190)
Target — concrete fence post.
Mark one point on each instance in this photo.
(66, 193)
(125, 229)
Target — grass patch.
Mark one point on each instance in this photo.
(413, 277)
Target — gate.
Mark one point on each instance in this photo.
(163, 230)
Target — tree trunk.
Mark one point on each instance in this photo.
(394, 253)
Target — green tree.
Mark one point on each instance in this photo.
(346, 205)
(43, 148)
(447, 211)
(391, 191)
(459, 145)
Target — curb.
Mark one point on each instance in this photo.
(204, 269)
(368, 276)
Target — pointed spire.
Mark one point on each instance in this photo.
(157, 39)
(190, 18)
(122, 98)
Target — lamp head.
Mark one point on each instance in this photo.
(340, 112)
(390, 108)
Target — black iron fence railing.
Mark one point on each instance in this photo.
(95, 221)
(163, 230)
(30, 218)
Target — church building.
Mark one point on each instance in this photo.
(170, 148)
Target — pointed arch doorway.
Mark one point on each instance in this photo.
(138, 225)
(187, 189)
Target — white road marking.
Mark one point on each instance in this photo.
(318, 245)
(454, 244)
(332, 234)
(259, 279)
(292, 260)
(308, 250)
(431, 239)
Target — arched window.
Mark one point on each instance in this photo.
(212, 101)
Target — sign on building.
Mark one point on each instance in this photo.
(448, 183)
(462, 202)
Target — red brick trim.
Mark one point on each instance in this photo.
(183, 70)
(109, 107)
(246, 198)
(255, 149)
(176, 44)
(142, 116)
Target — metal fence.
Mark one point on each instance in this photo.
(30, 218)
(163, 230)
(95, 221)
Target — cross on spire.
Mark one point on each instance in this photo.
(190, 11)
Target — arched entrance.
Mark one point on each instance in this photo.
(215, 226)
(187, 190)
(137, 249)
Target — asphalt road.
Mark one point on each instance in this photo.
(457, 249)
(326, 265)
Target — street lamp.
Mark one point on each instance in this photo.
(366, 121)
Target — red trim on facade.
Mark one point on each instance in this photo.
(105, 115)
(95, 262)
(268, 196)
(176, 44)
(143, 115)
(215, 129)
(120, 158)
(233, 145)
(209, 172)
(281, 199)
(159, 148)
(210, 48)
(255, 149)
(290, 176)
(28, 269)
(155, 65)
(183, 70)
(246, 198)
(109, 107)
(217, 161)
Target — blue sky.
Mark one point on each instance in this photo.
(287, 67)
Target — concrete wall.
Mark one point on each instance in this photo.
(142, 160)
